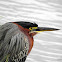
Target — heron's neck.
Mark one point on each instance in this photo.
(33, 34)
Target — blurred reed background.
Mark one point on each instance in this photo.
(47, 13)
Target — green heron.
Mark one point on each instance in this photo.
(16, 40)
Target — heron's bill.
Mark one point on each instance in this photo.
(41, 29)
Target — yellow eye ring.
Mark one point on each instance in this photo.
(31, 28)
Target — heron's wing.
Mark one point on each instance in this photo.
(4, 28)
(12, 41)
(0, 25)
(21, 60)
(6, 32)
(19, 47)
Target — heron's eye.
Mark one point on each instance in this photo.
(30, 28)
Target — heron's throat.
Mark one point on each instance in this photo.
(33, 34)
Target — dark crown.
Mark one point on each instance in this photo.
(27, 24)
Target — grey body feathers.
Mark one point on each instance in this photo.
(12, 43)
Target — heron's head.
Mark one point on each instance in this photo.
(33, 27)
